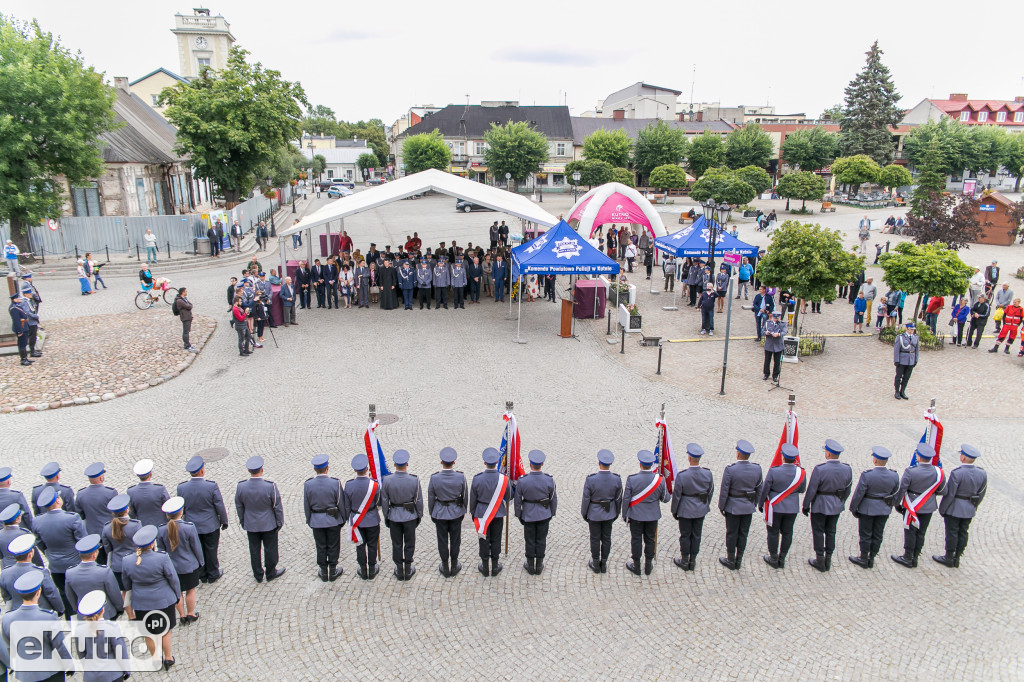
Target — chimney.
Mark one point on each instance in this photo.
(619, 114)
(958, 96)
(121, 83)
(1019, 99)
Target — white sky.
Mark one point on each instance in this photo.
(375, 60)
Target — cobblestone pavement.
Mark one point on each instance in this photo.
(446, 375)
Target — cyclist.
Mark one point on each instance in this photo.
(146, 282)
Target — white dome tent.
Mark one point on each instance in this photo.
(614, 202)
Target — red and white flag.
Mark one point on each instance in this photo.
(364, 506)
(511, 462)
(482, 524)
(790, 435)
(769, 507)
(667, 465)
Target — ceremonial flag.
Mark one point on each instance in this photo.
(374, 453)
(932, 436)
(667, 466)
(511, 462)
(790, 435)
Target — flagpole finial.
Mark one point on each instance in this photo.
(663, 411)
(792, 400)
(373, 411)
(933, 405)
(508, 405)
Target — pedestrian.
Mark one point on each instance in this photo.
(10, 497)
(116, 537)
(447, 500)
(362, 497)
(219, 236)
(261, 236)
(958, 321)
(641, 508)
(706, 304)
(182, 307)
(147, 498)
(326, 511)
(296, 236)
(763, 305)
(240, 321)
(780, 501)
(774, 331)
(149, 240)
(737, 500)
(648, 260)
(401, 498)
(11, 253)
(83, 278)
(91, 501)
(236, 235)
(668, 267)
(878, 253)
(602, 502)
(964, 492)
(499, 271)
(979, 318)
(211, 235)
(860, 307)
(864, 234)
(29, 589)
(94, 625)
(51, 477)
(536, 502)
(204, 508)
(1012, 315)
(503, 234)
(905, 353)
(976, 286)
(744, 276)
(827, 490)
(261, 515)
(151, 579)
(180, 540)
(721, 288)
(93, 269)
(933, 310)
(879, 315)
(922, 483)
(871, 505)
(489, 496)
(21, 326)
(631, 252)
(691, 500)
(1003, 298)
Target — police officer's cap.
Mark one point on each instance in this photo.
(28, 582)
(878, 452)
(646, 457)
(744, 447)
(448, 455)
(145, 536)
(47, 496)
(118, 503)
(50, 470)
(143, 467)
(254, 463)
(27, 275)
(10, 513)
(21, 545)
(605, 457)
(360, 463)
(491, 456)
(320, 461)
(790, 451)
(834, 447)
(94, 470)
(92, 603)
(400, 458)
(5, 473)
(910, 325)
(537, 457)
(173, 505)
(195, 464)
(15, 295)
(926, 451)
(776, 313)
(694, 450)
(88, 544)
(969, 451)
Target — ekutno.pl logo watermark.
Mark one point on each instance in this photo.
(89, 646)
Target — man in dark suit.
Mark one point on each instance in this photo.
(318, 279)
(287, 295)
(332, 281)
(499, 271)
(211, 234)
(302, 283)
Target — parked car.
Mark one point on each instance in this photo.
(376, 181)
(337, 191)
(344, 182)
(467, 206)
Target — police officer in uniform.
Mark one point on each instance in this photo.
(11, 496)
(9, 517)
(88, 576)
(872, 503)
(111, 665)
(964, 492)
(481, 491)
(778, 480)
(441, 280)
(369, 526)
(91, 503)
(51, 474)
(827, 491)
(58, 532)
(737, 500)
(204, 508)
(915, 481)
(117, 535)
(641, 509)
(22, 549)
(29, 588)
(459, 280)
(401, 499)
(602, 499)
(424, 280)
(261, 515)
(326, 511)
(536, 502)
(151, 578)
(147, 497)
(447, 497)
(691, 501)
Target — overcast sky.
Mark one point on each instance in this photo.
(377, 59)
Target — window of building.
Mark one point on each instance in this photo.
(158, 192)
(85, 200)
(965, 116)
(155, 99)
(140, 194)
(982, 116)
(557, 179)
(1018, 117)
(479, 148)
(559, 149)
(1000, 116)
(203, 61)
(330, 173)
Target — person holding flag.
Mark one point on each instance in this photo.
(790, 436)
(667, 465)
(932, 436)
(642, 497)
(536, 502)
(916, 501)
(741, 482)
(780, 502)
(691, 501)
(871, 504)
(488, 500)
(826, 496)
(511, 463)
(374, 453)
(362, 497)
(964, 492)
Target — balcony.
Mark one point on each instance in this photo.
(459, 158)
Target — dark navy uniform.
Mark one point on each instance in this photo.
(536, 502)
(147, 497)
(92, 500)
(447, 498)
(692, 491)
(641, 509)
(326, 510)
(784, 512)
(22, 552)
(58, 531)
(825, 500)
(204, 508)
(965, 490)
(915, 482)
(10, 496)
(483, 488)
(89, 576)
(402, 504)
(871, 504)
(261, 515)
(441, 280)
(51, 472)
(356, 490)
(151, 578)
(458, 278)
(53, 650)
(424, 280)
(602, 501)
(737, 501)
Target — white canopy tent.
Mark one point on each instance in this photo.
(417, 183)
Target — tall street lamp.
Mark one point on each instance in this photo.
(575, 185)
(310, 147)
(723, 211)
(268, 179)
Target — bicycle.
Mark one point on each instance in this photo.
(145, 298)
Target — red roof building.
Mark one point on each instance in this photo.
(1008, 114)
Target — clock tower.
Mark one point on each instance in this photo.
(203, 41)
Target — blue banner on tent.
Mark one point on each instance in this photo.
(695, 241)
(561, 251)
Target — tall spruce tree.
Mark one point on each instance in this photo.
(869, 110)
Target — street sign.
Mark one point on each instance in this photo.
(987, 207)
(732, 258)
(52, 224)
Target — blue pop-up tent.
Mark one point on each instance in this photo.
(695, 241)
(559, 251)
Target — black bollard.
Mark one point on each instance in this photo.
(76, 252)
(609, 332)
(169, 250)
(660, 347)
(622, 349)
(108, 253)
(138, 254)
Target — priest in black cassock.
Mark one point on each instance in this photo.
(388, 286)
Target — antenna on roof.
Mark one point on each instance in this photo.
(693, 78)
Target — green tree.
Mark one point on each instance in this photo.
(833, 113)
(373, 132)
(669, 176)
(920, 269)
(623, 176)
(871, 107)
(319, 165)
(952, 220)
(706, 151)
(855, 170)
(52, 109)
(369, 160)
(284, 166)
(802, 185)
(514, 148)
(756, 177)
(748, 146)
(810, 149)
(1014, 161)
(893, 176)
(591, 172)
(613, 147)
(233, 122)
(658, 145)
(424, 151)
(931, 179)
(808, 260)
(320, 120)
(953, 142)
(722, 187)
(990, 146)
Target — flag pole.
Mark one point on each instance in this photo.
(661, 439)
(508, 471)
(373, 417)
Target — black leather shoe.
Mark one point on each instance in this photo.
(594, 566)
(632, 568)
(361, 572)
(904, 395)
(455, 569)
(728, 563)
(259, 578)
(399, 573)
(604, 566)
(945, 560)
(410, 571)
(771, 560)
(861, 561)
(648, 567)
(39, 354)
(496, 568)
(818, 563)
(528, 565)
(276, 574)
(334, 573)
(903, 560)
(373, 572)
(322, 574)
(681, 563)
(538, 566)
(443, 569)
(483, 568)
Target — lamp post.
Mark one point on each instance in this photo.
(272, 229)
(575, 185)
(310, 147)
(723, 211)
(508, 181)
